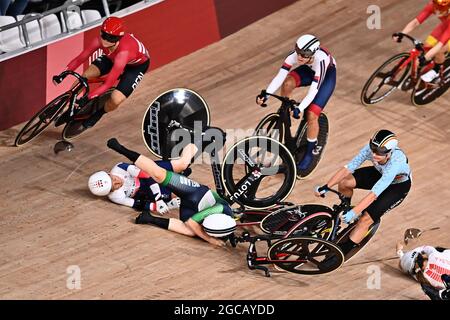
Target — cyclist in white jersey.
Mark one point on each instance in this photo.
(316, 68)
(430, 266)
(389, 181)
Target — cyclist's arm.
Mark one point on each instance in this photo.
(426, 12)
(363, 155)
(119, 65)
(119, 197)
(320, 69)
(282, 74)
(84, 55)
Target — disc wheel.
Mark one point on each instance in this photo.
(305, 255)
(385, 79)
(182, 105)
(41, 120)
(258, 172)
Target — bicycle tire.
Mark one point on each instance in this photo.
(50, 116)
(322, 139)
(366, 101)
(267, 126)
(346, 233)
(168, 106)
(274, 150)
(295, 255)
(426, 96)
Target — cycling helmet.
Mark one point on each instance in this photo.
(219, 225)
(383, 142)
(408, 262)
(307, 45)
(112, 29)
(100, 183)
(442, 6)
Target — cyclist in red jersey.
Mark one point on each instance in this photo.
(123, 56)
(438, 42)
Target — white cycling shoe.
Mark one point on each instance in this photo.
(429, 76)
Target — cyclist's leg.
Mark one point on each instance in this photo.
(301, 76)
(363, 178)
(437, 44)
(313, 113)
(388, 200)
(129, 80)
(186, 158)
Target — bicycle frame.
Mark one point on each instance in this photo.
(414, 54)
(287, 105)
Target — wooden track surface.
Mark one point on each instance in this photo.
(49, 220)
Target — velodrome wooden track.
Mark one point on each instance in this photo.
(49, 221)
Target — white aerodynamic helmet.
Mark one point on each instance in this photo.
(219, 225)
(100, 183)
(307, 45)
(408, 261)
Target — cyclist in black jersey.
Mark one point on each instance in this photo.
(197, 200)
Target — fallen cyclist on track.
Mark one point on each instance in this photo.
(430, 266)
(197, 200)
(130, 186)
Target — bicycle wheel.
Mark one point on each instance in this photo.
(322, 140)
(271, 126)
(41, 120)
(305, 255)
(295, 220)
(369, 235)
(424, 93)
(385, 79)
(74, 127)
(258, 172)
(183, 105)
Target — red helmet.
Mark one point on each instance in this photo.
(113, 26)
(442, 6)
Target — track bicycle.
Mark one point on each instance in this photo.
(300, 238)
(316, 220)
(402, 72)
(278, 126)
(256, 172)
(64, 109)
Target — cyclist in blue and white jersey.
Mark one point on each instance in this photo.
(388, 179)
(316, 68)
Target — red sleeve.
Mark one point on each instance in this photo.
(120, 62)
(426, 12)
(75, 63)
(445, 37)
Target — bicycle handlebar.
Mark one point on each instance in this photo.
(417, 44)
(292, 103)
(82, 80)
